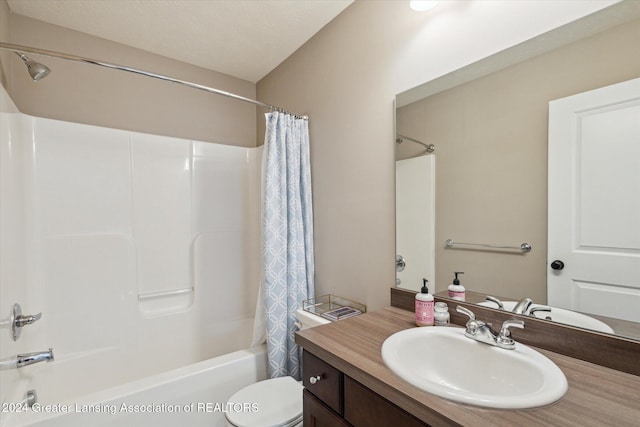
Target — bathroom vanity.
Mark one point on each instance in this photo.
(347, 384)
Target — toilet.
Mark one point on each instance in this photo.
(276, 402)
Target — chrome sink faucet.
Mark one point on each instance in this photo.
(481, 331)
(523, 306)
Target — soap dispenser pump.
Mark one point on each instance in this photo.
(456, 290)
(424, 306)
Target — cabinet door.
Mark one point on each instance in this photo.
(364, 408)
(323, 380)
(316, 414)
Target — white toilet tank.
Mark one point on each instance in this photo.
(309, 320)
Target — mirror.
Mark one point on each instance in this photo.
(488, 123)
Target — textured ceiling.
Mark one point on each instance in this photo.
(243, 38)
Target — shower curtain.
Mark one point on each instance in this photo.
(287, 237)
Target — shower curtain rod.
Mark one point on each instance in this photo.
(18, 48)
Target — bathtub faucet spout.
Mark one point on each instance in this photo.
(31, 358)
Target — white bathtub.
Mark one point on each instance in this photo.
(191, 396)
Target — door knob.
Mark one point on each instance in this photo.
(557, 265)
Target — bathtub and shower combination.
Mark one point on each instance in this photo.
(141, 252)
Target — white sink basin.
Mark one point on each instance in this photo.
(442, 361)
(560, 315)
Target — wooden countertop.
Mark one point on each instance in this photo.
(597, 396)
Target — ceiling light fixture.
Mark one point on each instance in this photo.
(422, 5)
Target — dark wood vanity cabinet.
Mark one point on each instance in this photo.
(334, 399)
(316, 414)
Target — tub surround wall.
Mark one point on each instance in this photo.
(114, 222)
(12, 239)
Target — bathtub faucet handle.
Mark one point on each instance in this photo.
(27, 320)
(18, 320)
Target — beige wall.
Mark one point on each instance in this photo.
(491, 174)
(346, 78)
(93, 95)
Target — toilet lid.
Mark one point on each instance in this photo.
(268, 403)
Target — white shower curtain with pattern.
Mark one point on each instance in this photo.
(287, 237)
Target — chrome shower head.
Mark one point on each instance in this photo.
(36, 70)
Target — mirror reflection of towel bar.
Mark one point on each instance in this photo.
(524, 247)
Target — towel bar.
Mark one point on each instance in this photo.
(524, 247)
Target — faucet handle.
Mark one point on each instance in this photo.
(466, 312)
(472, 326)
(18, 320)
(504, 339)
(496, 300)
(511, 323)
(23, 320)
(538, 308)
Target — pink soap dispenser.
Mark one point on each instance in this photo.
(424, 306)
(456, 290)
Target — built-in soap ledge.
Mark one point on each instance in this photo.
(164, 302)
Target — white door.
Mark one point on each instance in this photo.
(415, 213)
(594, 202)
